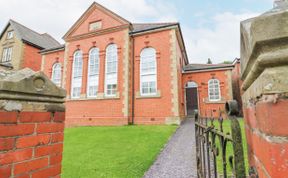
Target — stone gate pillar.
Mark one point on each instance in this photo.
(32, 117)
(264, 67)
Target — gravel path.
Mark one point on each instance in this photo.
(178, 159)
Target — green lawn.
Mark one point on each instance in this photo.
(227, 128)
(127, 151)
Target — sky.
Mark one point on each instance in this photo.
(210, 27)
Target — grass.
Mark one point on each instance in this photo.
(229, 151)
(126, 151)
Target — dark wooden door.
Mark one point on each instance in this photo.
(191, 100)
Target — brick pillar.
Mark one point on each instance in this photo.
(32, 118)
(264, 66)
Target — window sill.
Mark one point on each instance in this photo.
(139, 96)
(100, 96)
(215, 102)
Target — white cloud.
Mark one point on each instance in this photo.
(221, 42)
(55, 17)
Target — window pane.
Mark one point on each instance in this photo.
(56, 74)
(148, 71)
(77, 74)
(214, 90)
(111, 69)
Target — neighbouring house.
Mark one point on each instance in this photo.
(207, 87)
(20, 47)
(118, 73)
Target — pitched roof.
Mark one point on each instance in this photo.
(43, 41)
(141, 27)
(198, 67)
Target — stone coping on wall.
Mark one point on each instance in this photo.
(264, 44)
(27, 85)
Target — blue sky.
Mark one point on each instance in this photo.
(210, 27)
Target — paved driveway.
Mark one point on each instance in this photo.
(178, 159)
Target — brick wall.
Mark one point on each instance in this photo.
(201, 78)
(265, 91)
(265, 128)
(31, 58)
(32, 118)
(31, 144)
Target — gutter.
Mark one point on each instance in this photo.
(208, 69)
(151, 29)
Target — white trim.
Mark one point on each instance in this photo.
(219, 90)
(88, 74)
(72, 79)
(154, 74)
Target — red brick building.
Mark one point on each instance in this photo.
(207, 87)
(117, 72)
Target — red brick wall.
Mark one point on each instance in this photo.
(31, 58)
(31, 144)
(154, 110)
(50, 59)
(266, 133)
(102, 111)
(202, 78)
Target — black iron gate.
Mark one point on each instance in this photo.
(212, 143)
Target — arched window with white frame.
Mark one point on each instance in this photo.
(56, 74)
(148, 72)
(93, 72)
(214, 90)
(76, 83)
(111, 70)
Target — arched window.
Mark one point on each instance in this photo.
(214, 90)
(111, 68)
(93, 72)
(77, 75)
(56, 74)
(148, 72)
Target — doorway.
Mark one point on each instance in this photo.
(191, 98)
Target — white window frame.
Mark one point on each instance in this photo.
(6, 55)
(147, 75)
(211, 86)
(77, 80)
(57, 74)
(10, 35)
(111, 78)
(95, 76)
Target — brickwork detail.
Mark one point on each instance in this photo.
(31, 143)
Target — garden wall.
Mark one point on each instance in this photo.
(264, 65)
(32, 118)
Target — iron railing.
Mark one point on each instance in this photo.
(212, 143)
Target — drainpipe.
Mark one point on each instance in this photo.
(132, 82)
